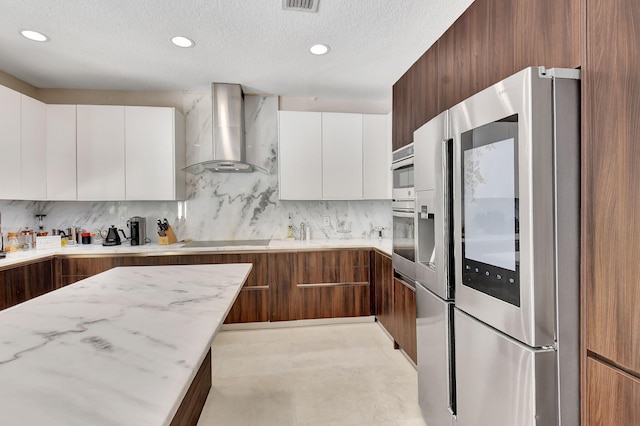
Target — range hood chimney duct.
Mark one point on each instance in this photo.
(228, 139)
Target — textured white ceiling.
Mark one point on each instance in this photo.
(125, 44)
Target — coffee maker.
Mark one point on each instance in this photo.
(138, 230)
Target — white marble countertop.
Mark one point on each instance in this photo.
(119, 348)
(17, 258)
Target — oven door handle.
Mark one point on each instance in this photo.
(402, 163)
(409, 215)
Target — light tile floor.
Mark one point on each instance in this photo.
(338, 375)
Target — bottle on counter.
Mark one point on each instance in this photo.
(307, 235)
(290, 227)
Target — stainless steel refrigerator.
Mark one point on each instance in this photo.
(434, 271)
(497, 262)
(516, 237)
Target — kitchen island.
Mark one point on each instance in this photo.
(119, 348)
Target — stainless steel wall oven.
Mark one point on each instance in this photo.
(404, 238)
(403, 209)
(403, 173)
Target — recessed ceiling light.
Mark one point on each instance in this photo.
(183, 41)
(319, 49)
(34, 35)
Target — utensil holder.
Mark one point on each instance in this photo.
(169, 238)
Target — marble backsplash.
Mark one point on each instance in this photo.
(219, 206)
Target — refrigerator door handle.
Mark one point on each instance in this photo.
(450, 351)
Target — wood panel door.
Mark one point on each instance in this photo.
(613, 397)
(333, 283)
(405, 318)
(401, 112)
(611, 97)
(252, 304)
(22, 283)
(425, 88)
(384, 292)
(73, 269)
(282, 273)
(548, 33)
(477, 50)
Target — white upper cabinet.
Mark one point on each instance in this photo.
(154, 153)
(61, 152)
(334, 156)
(100, 152)
(376, 149)
(300, 155)
(341, 156)
(33, 149)
(10, 143)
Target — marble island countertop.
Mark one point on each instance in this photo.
(17, 258)
(118, 348)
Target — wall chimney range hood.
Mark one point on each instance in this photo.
(227, 153)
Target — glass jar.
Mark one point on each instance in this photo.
(13, 242)
(27, 239)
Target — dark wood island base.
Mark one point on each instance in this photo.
(191, 406)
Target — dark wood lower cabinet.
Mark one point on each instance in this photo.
(25, 282)
(383, 284)
(252, 305)
(404, 305)
(281, 286)
(613, 397)
(282, 271)
(395, 306)
(333, 284)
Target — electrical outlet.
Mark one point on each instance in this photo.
(327, 220)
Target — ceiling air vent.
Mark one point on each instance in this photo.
(301, 5)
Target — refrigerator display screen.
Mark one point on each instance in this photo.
(490, 210)
(488, 206)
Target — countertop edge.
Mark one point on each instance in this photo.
(33, 256)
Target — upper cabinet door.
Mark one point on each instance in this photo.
(548, 33)
(61, 152)
(376, 164)
(101, 152)
(152, 154)
(34, 149)
(300, 151)
(10, 152)
(341, 156)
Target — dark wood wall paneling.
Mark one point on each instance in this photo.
(491, 40)
(610, 206)
(613, 397)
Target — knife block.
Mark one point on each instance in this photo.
(169, 238)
